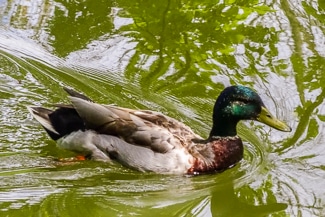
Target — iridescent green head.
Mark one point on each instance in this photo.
(237, 103)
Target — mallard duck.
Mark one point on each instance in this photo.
(150, 141)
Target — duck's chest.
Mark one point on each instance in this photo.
(217, 155)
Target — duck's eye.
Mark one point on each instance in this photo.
(241, 103)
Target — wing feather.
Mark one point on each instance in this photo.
(144, 128)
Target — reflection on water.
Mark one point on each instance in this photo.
(175, 58)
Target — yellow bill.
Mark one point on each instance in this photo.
(267, 118)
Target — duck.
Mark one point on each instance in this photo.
(149, 141)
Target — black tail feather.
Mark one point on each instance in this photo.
(58, 123)
(62, 121)
(66, 121)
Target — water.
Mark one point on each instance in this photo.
(173, 57)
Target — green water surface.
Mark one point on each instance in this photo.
(174, 57)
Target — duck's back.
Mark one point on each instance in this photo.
(138, 127)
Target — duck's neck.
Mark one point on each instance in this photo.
(223, 127)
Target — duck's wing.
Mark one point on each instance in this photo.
(138, 127)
